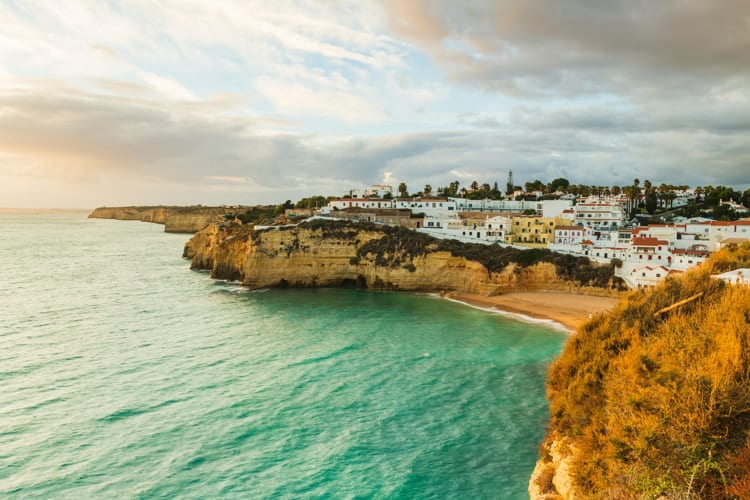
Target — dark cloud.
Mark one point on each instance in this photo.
(583, 46)
(86, 135)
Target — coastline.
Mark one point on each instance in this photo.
(566, 310)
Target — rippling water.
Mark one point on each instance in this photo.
(125, 374)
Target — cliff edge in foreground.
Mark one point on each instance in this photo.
(175, 219)
(341, 253)
(649, 401)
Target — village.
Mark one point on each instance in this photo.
(595, 226)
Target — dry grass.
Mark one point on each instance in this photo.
(661, 408)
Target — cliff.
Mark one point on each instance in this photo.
(174, 219)
(325, 253)
(653, 401)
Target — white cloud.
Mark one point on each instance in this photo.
(292, 99)
(274, 100)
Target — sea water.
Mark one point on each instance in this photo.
(125, 374)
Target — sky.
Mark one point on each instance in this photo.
(250, 102)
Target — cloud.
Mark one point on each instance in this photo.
(200, 155)
(295, 98)
(227, 102)
(545, 47)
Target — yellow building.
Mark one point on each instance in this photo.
(533, 231)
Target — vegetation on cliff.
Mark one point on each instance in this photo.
(399, 246)
(657, 405)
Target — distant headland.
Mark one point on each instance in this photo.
(186, 219)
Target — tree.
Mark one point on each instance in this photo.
(649, 197)
(724, 212)
(312, 202)
(535, 185)
(427, 190)
(403, 190)
(559, 184)
(745, 198)
(474, 186)
(634, 196)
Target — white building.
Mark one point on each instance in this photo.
(643, 276)
(343, 203)
(378, 191)
(470, 230)
(545, 208)
(739, 276)
(374, 191)
(431, 207)
(735, 206)
(569, 235)
(600, 214)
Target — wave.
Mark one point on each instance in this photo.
(508, 314)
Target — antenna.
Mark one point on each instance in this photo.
(509, 185)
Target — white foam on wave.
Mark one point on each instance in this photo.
(230, 286)
(513, 315)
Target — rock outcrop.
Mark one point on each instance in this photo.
(174, 219)
(360, 255)
(551, 479)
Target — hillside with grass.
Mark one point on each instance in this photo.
(648, 403)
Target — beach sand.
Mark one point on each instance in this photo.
(569, 310)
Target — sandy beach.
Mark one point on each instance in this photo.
(569, 310)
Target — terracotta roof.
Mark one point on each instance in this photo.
(648, 242)
(635, 269)
(697, 253)
(574, 228)
(587, 242)
(363, 199)
(423, 200)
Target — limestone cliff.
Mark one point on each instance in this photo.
(174, 219)
(369, 256)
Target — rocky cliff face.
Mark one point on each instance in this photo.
(358, 256)
(175, 219)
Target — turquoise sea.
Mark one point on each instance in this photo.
(124, 374)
